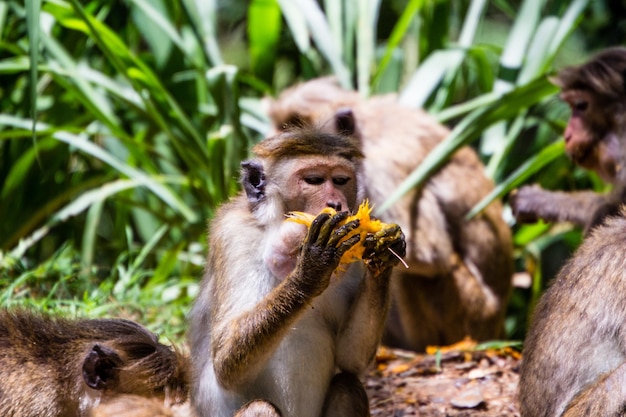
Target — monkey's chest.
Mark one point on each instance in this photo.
(305, 358)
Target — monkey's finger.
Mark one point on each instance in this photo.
(392, 230)
(347, 244)
(316, 227)
(329, 226)
(388, 233)
(343, 231)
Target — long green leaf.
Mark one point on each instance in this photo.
(264, 27)
(366, 42)
(321, 34)
(397, 34)
(159, 102)
(523, 172)
(203, 15)
(33, 11)
(469, 129)
(428, 76)
(440, 63)
(80, 142)
(297, 25)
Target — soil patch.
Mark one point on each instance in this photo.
(453, 382)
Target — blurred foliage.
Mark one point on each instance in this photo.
(144, 109)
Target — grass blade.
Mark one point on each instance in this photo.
(469, 129)
(33, 10)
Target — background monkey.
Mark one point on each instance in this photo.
(460, 271)
(129, 405)
(595, 138)
(273, 330)
(574, 357)
(54, 367)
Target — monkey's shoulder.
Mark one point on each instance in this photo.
(592, 282)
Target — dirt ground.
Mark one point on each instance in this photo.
(457, 381)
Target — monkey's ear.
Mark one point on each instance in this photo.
(100, 367)
(253, 180)
(344, 121)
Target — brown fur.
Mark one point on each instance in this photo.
(460, 271)
(574, 357)
(45, 360)
(307, 142)
(137, 406)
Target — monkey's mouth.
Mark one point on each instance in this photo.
(585, 158)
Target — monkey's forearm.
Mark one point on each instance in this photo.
(479, 299)
(532, 203)
(361, 334)
(244, 344)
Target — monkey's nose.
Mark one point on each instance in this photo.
(334, 206)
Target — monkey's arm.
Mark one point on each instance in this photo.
(364, 326)
(604, 397)
(242, 345)
(531, 203)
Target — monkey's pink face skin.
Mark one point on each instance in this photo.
(586, 145)
(317, 182)
(579, 141)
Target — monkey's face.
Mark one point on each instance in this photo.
(591, 139)
(311, 183)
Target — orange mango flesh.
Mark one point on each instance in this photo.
(366, 225)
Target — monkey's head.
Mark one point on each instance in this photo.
(302, 170)
(128, 359)
(595, 136)
(320, 102)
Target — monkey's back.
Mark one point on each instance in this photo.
(577, 332)
(42, 358)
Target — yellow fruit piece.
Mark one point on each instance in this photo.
(366, 225)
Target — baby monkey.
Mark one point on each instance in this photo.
(56, 367)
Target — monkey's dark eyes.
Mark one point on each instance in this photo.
(341, 180)
(314, 180)
(580, 105)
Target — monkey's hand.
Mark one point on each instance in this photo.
(384, 249)
(322, 249)
(525, 203)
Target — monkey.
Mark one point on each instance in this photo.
(279, 327)
(574, 356)
(460, 271)
(595, 139)
(56, 367)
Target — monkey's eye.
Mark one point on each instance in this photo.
(312, 180)
(341, 180)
